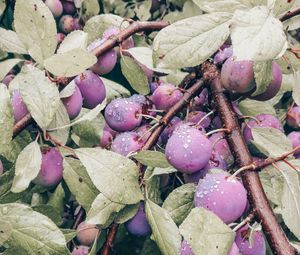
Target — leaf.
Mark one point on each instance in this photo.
(191, 41)
(161, 171)
(103, 211)
(2, 6)
(57, 199)
(50, 212)
(135, 75)
(7, 65)
(61, 118)
(152, 186)
(36, 27)
(282, 6)
(209, 235)
(150, 248)
(251, 37)
(89, 9)
(10, 42)
(75, 40)
(28, 165)
(32, 232)
(143, 10)
(250, 107)
(96, 25)
(126, 213)
(296, 88)
(164, 231)
(180, 202)
(292, 23)
(114, 90)
(114, 175)
(69, 234)
(71, 63)
(152, 159)
(5, 230)
(68, 90)
(270, 141)
(144, 56)
(6, 117)
(263, 76)
(79, 183)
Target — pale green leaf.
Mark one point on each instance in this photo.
(5, 230)
(114, 175)
(75, 40)
(206, 233)
(28, 165)
(68, 90)
(263, 76)
(69, 233)
(71, 63)
(10, 42)
(189, 42)
(250, 107)
(296, 87)
(35, 26)
(162, 171)
(89, 8)
(2, 6)
(57, 199)
(282, 6)
(292, 23)
(7, 65)
(127, 213)
(289, 63)
(114, 90)
(143, 10)
(152, 159)
(152, 185)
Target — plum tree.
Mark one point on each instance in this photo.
(138, 225)
(294, 138)
(126, 143)
(261, 120)
(182, 146)
(92, 89)
(55, 7)
(66, 24)
(73, 103)
(122, 114)
(293, 117)
(51, 171)
(68, 7)
(80, 250)
(257, 245)
(223, 195)
(87, 233)
(18, 106)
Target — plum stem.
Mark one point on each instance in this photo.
(244, 222)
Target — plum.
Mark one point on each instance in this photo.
(143, 132)
(200, 101)
(165, 96)
(194, 177)
(155, 5)
(112, 31)
(1, 168)
(77, 24)
(186, 249)
(106, 62)
(258, 245)
(188, 150)
(92, 89)
(19, 108)
(168, 131)
(261, 120)
(107, 136)
(87, 233)
(80, 250)
(153, 86)
(195, 116)
(60, 37)
(121, 114)
(68, 7)
(217, 122)
(126, 143)
(222, 55)
(138, 225)
(55, 7)
(51, 171)
(234, 250)
(293, 117)
(73, 103)
(237, 76)
(294, 138)
(224, 196)
(7, 79)
(66, 24)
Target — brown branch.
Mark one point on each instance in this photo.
(290, 15)
(21, 124)
(257, 198)
(110, 239)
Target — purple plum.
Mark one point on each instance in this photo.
(78, 24)
(73, 103)
(7, 79)
(153, 86)
(222, 55)
(87, 233)
(80, 250)
(68, 7)
(66, 24)
(194, 177)
(200, 101)
(195, 116)
(55, 7)
(293, 117)
(143, 132)
(234, 250)
(126, 143)
(294, 138)
(60, 37)
(1, 168)
(112, 31)
(168, 131)
(18, 106)
(186, 249)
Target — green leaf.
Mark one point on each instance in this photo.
(10, 42)
(282, 6)
(250, 107)
(270, 141)
(152, 186)
(69, 234)
(57, 199)
(70, 63)
(114, 90)
(191, 41)
(68, 90)
(164, 231)
(161, 171)
(296, 88)
(32, 232)
(28, 165)
(89, 9)
(61, 118)
(7, 65)
(39, 94)
(6, 117)
(103, 211)
(114, 175)
(35, 26)
(135, 75)
(2, 6)
(251, 37)
(50, 212)
(206, 233)
(5, 231)
(96, 25)
(150, 248)
(79, 183)
(143, 10)
(152, 159)
(127, 213)
(180, 202)
(75, 40)
(263, 76)
(292, 23)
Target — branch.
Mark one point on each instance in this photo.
(290, 15)
(258, 200)
(21, 124)
(110, 239)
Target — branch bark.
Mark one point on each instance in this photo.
(257, 198)
(290, 15)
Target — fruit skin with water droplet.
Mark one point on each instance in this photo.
(87, 233)
(66, 24)
(237, 76)
(55, 7)
(126, 143)
(122, 114)
(261, 120)
(73, 103)
(188, 150)
(224, 196)
(92, 89)
(294, 138)
(80, 250)
(51, 171)
(168, 131)
(18, 106)
(165, 96)
(242, 241)
(138, 225)
(293, 117)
